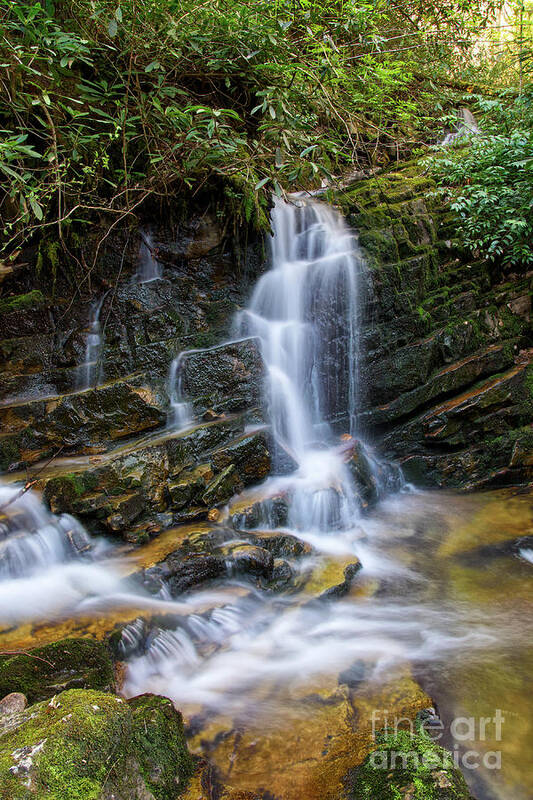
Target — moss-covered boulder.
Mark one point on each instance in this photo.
(409, 766)
(88, 745)
(45, 671)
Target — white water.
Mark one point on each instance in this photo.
(305, 311)
(466, 126)
(50, 568)
(149, 269)
(90, 372)
(180, 414)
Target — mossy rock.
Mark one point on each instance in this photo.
(22, 302)
(409, 766)
(67, 664)
(88, 745)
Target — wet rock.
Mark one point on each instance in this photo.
(126, 509)
(281, 545)
(491, 409)
(453, 377)
(86, 743)
(271, 512)
(250, 455)
(186, 572)
(13, 703)
(282, 575)
(223, 487)
(224, 378)
(67, 664)
(252, 560)
(342, 589)
(189, 485)
(78, 422)
(363, 473)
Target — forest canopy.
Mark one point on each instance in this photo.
(107, 104)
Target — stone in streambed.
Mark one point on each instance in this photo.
(13, 703)
(408, 766)
(186, 572)
(251, 560)
(88, 744)
(44, 671)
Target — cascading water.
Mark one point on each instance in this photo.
(90, 371)
(305, 311)
(149, 268)
(180, 413)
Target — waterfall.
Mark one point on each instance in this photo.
(149, 268)
(305, 312)
(90, 371)
(180, 412)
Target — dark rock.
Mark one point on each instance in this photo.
(187, 572)
(223, 487)
(224, 378)
(252, 560)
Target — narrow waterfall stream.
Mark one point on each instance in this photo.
(91, 369)
(427, 588)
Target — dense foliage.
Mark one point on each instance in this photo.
(109, 102)
(488, 181)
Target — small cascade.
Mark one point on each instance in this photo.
(465, 127)
(180, 412)
(90, 372)
(149, 269)
(32, 539)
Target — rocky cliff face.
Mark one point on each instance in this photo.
(446, 381)
(446, 376)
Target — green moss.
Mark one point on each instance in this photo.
(84, 745)
(159, 742)
(44, 671)
(62, 492)
(205, 339)
(380, 245)
(22, 302)
(409, 765)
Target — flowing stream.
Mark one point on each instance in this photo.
(442, 593)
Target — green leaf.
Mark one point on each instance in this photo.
(112, 28)
(261, 183)
(36, 208)
(118, 14)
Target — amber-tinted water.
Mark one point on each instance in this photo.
(280, 690)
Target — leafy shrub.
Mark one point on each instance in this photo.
(488, 182)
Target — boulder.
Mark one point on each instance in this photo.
(88, 744)
(408, 766)
(44, 671)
